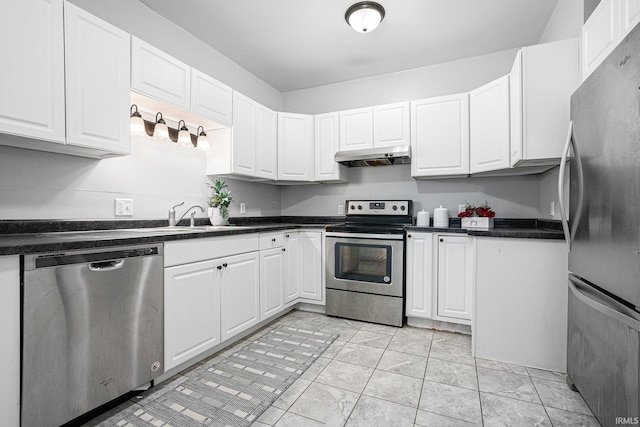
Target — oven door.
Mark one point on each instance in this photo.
(369, 263)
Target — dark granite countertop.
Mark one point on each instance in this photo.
(511, 228)
(26, 237)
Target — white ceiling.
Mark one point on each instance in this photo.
(297, 44)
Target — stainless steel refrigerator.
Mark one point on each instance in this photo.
(603, 360)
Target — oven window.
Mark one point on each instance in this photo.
(363, 263)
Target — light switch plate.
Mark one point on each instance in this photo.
(340, 209)
(123, 207)
(243, 208)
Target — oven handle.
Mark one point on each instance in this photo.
(366, 236)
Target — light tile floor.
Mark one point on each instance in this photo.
(376, 375)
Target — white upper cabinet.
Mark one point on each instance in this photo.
(210, 98)
(266, 143)
(489, 126)
(542, 80)
(609, 23)
(159, 75)
(356, 129)
(97, 82)
(440, 136)
(327, 143)
(295, 147)
(243, 158)
(391, 125)
(32, 77)
(379, 126)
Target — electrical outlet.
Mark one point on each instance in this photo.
(461, 208)
(123, 207)
(340, 209)
(552, 209)
(243, 208)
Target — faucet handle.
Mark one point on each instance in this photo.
(174, 208)
(193, 220)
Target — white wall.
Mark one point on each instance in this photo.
(510, 197)
(442, 79)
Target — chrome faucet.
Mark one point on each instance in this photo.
(172, 215)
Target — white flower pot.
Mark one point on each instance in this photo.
(215, 216)
(478, 222)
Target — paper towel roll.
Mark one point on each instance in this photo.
(441, 217)
(423, 219)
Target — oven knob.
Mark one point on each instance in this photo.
(402, 208)
(395, 208)
(359, 207)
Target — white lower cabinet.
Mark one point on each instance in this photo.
(10, 338)
(455, 278)
(419, 294)
(439, 277)
(304, 272)
(191, 311)
(239, 293)
(271, 281)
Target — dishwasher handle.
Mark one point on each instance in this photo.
(106, 265)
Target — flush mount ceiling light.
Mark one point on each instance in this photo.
(364, 16)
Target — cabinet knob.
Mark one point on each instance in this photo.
(283, 249)
(219, 267)
(273, 240)
(224, 265)
(409, 236)
(442, 240)
(286, 235)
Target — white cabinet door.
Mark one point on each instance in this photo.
(292, 270)
(191, 313)
(327, 143)
(630, 15)
(32, 99)
(97, 82)
(600, 35)
(295, 147)
(10, 339)
(455, 278)
(210, 98)
(419, 301)
(356, 129)
(391, 125)
(239, 293)
(266, 143)
(310, 253)
(243, 155)
(161, 76)
(541, 82)
(489, 126)
(440, 136)
(271, 282)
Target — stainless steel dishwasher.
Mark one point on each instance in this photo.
(92, 327)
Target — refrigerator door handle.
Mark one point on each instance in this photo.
(569, 234)
(603, 304)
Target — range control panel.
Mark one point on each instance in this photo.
(379, 207)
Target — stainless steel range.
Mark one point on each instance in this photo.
(365, 262)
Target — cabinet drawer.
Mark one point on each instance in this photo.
(271, 240)
(194, 250)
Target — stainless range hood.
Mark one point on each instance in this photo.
(382, 156)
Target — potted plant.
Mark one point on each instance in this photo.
(219, 202)
(477, 216)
